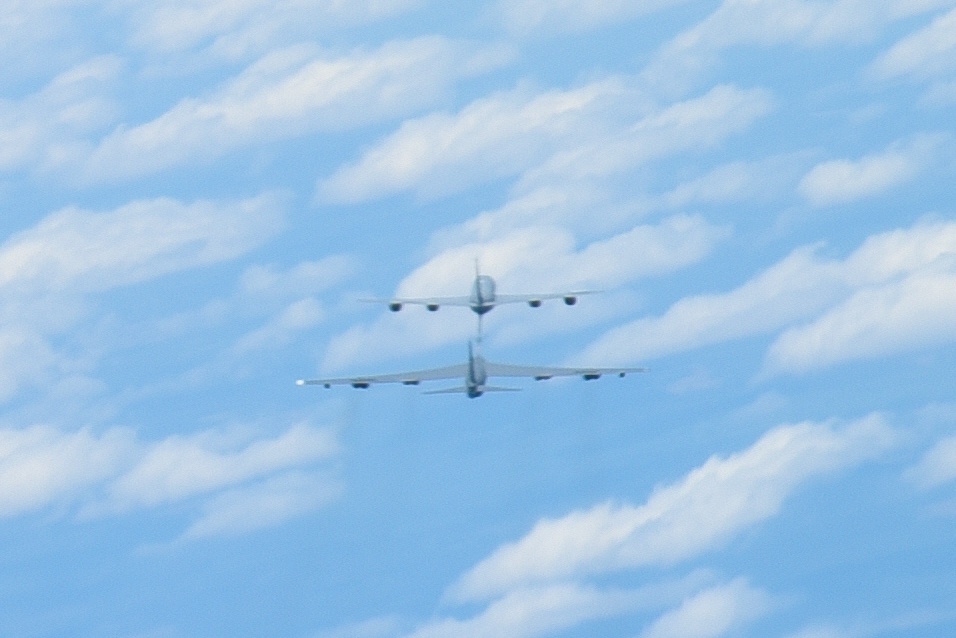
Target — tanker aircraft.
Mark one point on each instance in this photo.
(482, 299)
(475, 373)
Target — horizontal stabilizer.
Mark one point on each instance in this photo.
(459, 390)
(464, 390)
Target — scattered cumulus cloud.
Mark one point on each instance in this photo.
(704, 510)
(938, 465)
(247, 482)
(927, 52)
(263, 504)
(712, 613)
(82, 250)
(182, 466)
(694, 124)
(288, 93)
(41, 465)
(542, 16)
(51, 272)
(875, 321)
(41, 129)
(232, 30)
(493, 137)
(836, 300)
(601, 129)
(774, 22)
(531, 612)
(841, 181)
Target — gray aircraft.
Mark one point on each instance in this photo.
(475, 372)
(483, 298)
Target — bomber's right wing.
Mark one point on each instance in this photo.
(407, 378)
(539, 373)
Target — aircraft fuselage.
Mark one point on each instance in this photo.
(482, 297)
(477, 375)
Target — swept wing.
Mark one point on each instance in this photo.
(407, 378)
(539, 373)
(569, 297)
(421, 301)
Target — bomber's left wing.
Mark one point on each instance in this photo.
(407, 378)
(570, 298)
(539, 373)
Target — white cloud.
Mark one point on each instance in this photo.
(492, 137)
(702, 511)
(772, 22)
(50, 273)
(264, 504)
(40, 35)
(40, 129)
(242, 483)
(179, 467)
(841, 181)
(601, 129)
(77, 250)
(535, 259)
(231, 29)
(797, 286)
(916, 312)
(712, 613)
(41, 465)
(523, 16)
(268, 281)
(537, 611)
(925, 53)
(25, 358)
(290, 93)
(280, 330)
(905, 263)
(938, 465)
(697, 123)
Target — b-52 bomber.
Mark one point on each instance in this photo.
(483, 298)
(475, 372)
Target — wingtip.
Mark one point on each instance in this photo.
(300, 381)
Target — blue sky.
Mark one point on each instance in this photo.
(196, 194)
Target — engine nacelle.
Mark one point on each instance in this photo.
(432, 307)
(591, 376)
(534, 303)
(394, 306)
(361, 385)
(570, 300)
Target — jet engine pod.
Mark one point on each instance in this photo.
(570, 300)
(394, 306)
(534, 303)
(432, 307)
(590, 376)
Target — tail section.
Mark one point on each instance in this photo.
(472, 392)
(459, 390)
